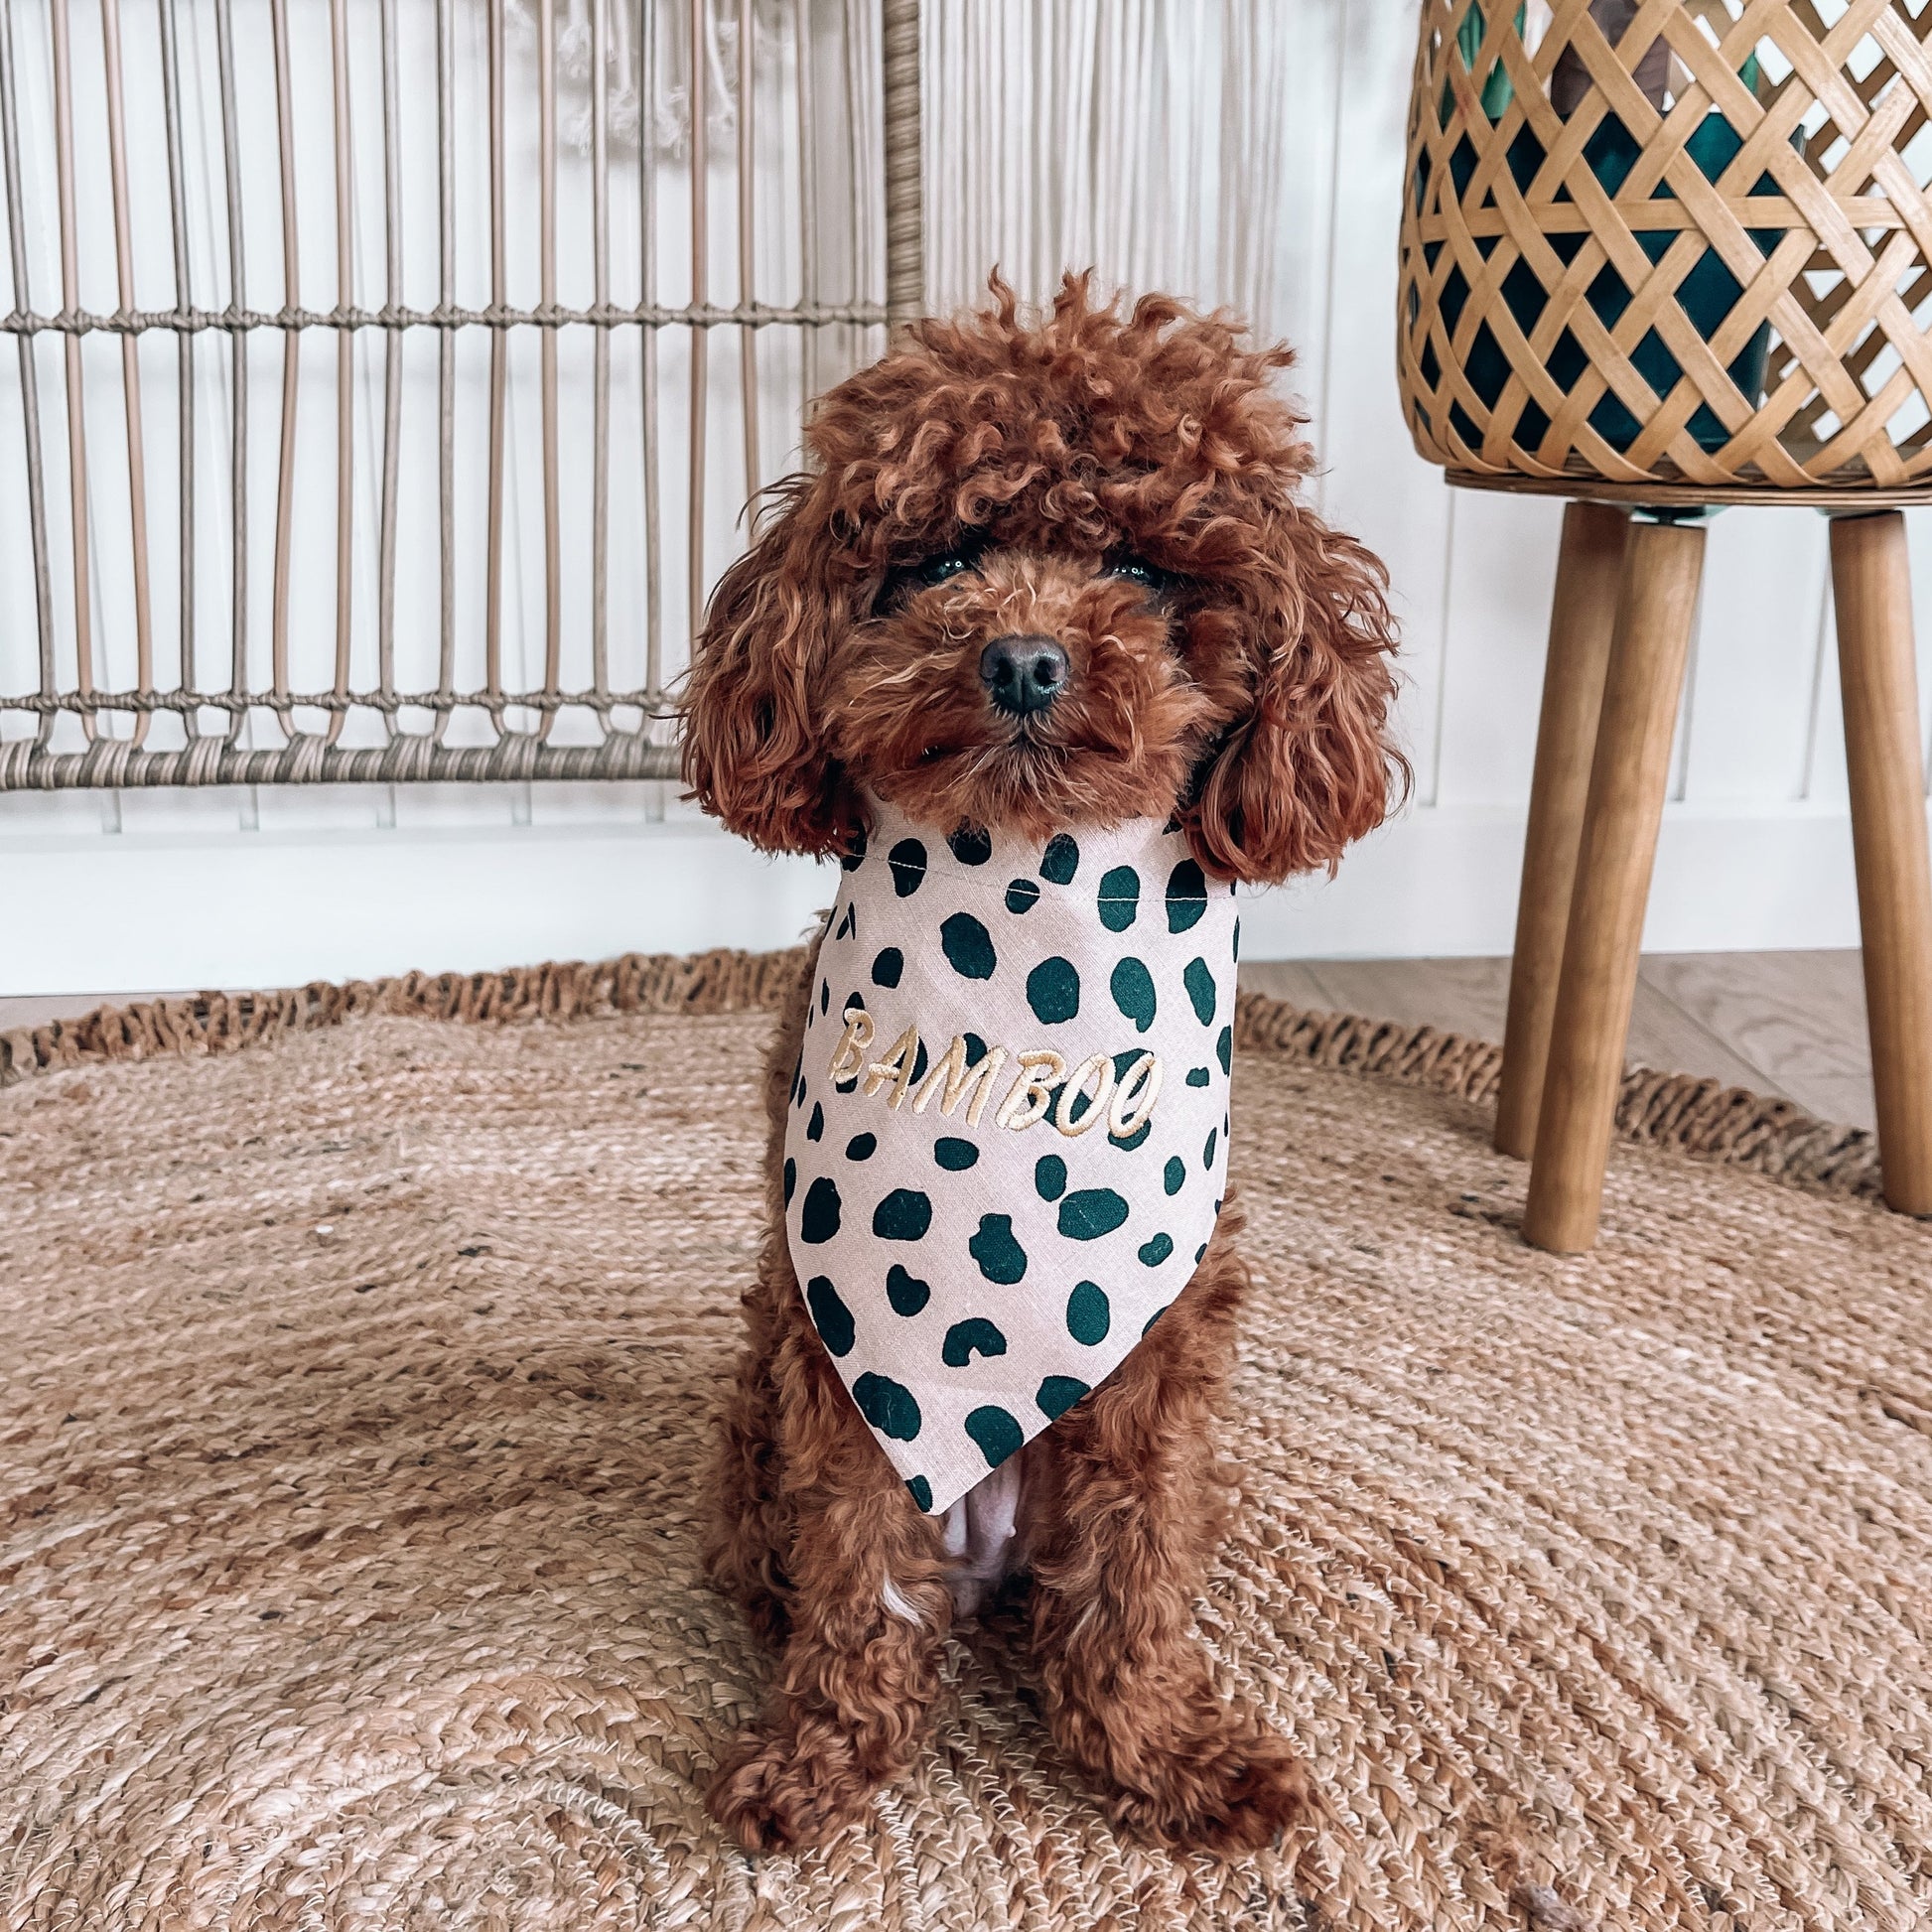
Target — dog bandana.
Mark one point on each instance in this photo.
(1008, 1136)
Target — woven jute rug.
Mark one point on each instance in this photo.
(357, 1347)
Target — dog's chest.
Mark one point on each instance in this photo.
(1008, 1134)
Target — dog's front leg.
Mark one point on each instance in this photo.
(868, 1610)
(1118, 1533)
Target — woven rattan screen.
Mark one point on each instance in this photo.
(388, 375)
(1677, 240)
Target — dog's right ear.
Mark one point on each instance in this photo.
(753, 751)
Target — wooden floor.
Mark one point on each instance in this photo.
(1778, 1023)
(1788, 1023)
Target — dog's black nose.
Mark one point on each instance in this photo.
(1023, 675)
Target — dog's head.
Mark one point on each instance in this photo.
(1051, 576)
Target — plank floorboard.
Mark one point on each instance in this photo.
(1458, 996)
(1669, 1039)
(1284, 979)
(1784, 1025)
(1797, 1016)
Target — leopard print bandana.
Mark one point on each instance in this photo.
(1007, 1143)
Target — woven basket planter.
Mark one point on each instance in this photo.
(1682, 242)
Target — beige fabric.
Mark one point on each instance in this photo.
(351, 1412)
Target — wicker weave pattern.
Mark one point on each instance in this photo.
(233, 687)
(1521, 234)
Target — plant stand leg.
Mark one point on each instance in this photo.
(1871, 585)
(1580, 623)
(1656, 601)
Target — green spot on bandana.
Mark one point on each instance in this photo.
(907, 1293)
(1054, 991)
(1060, 860)
(888, 967)
(1090, 1213)
(1058, 1394)
(920, 1490)
(1186, 895)
(1224, 1049)
(1198, 1076)
(964, 1337)
(1000, 1258)
(1132, 986)
(1120, 897)
(1175, 1174)
(970, 846)
(968, 946)
(891, 1408)
(1088, 1316)
(862, 1147)
(1154, 1252)
(818, 1219)
(907, 862)
(1207, 1153)
(792, 1180)
(830, 1315)
(954, 1155)
(903, 1216)
(1022, 895)
(996, 1433)
(1049, 1177)
(1199, 982)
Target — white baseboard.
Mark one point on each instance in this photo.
(268, 908)
(87, 914)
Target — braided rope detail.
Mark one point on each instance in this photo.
(1676, 1111)
(221, 1023)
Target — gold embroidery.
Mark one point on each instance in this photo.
(953, 1079)
(1125, 1102)
(1134, 1098)
(1101, 1065)
(896, 1070)
(849, 1055)
(1030, 1097)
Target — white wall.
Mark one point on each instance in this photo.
(1242, 151)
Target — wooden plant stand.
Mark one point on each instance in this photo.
(1676, 293)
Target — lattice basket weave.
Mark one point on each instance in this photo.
(1679, 242)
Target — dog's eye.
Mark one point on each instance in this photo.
(1137, 570)
(936, 570)
(907, 580)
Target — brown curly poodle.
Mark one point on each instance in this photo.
(1118, 494)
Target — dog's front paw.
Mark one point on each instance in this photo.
(1234, 1792)
(783, 1791)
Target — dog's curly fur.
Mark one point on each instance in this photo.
(1126, 485)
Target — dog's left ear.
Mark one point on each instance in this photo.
(1309, 768)
(755, 753)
